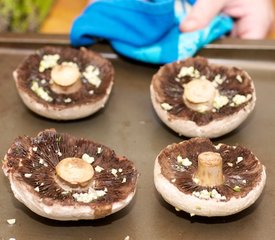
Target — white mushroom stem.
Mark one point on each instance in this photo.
(65, 74)
(209, 173)
(65, 78)
(199, 94)
(75, 171)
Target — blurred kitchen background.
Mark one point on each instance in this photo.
(46, 16)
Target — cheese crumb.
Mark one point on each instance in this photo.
(237, 189)
(189, 71)
(99, 150)
(239, 78)
(40, 92)
(230, 164)
(114, 172)
(11, 221)
(120, 170)
(239, 159)
(220, 101)
(124, 180)
(218, 79)
(48, 61)
(87, 158)
(67, 100)
(127, 238)
(89, 196)
(34, 149)
(41, 161)
(92, 75)
(166, 106)
(184, 161)
(99, 169)
(218, 146)
(37, 189)
(239, 99)
(27, 175)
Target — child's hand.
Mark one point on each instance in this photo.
(253, 17)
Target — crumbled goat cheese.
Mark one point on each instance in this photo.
(230, 164)
(67, 100)
(239, 78)
(99, 150)
(237, 189)
(220, 101)
(92, 75)
(34, 149)
(11, 221)
(99, 169)
(48, 61)
(239, 159)
(37, 189)
(40, 92)
(87, 158)
(218, 79)
(205, 194)
(89, 196)
(239, 99)
(218, 146)
(166, 106)
(41, 161)
(184, 161)
(27, 175)
(173, 180)
(59, 153)
(188, 71)
(124, 180)
(114, 172)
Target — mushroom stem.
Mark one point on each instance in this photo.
(209, 171)
(199, 94)
(75, 172)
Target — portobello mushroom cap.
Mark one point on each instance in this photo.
(208, 180)
(64, 83)
(61, 177)
(198, 99)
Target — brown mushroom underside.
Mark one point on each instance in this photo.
(170, 91)
(249, 169)
(26, 152)
(28, 71)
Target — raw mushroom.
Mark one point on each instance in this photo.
(198, 99)
(208, 180)
(64, 83)
(61, 177)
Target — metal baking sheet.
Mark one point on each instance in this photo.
(129, 125)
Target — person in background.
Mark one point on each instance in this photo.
(253, 18)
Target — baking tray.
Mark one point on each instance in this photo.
(129, 125)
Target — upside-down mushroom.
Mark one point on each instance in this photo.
(198, 99)
(62, 177)
(64, 83)
(204, 179)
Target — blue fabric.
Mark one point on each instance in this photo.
(147, 31)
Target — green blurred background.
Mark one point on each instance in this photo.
(23, 15)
